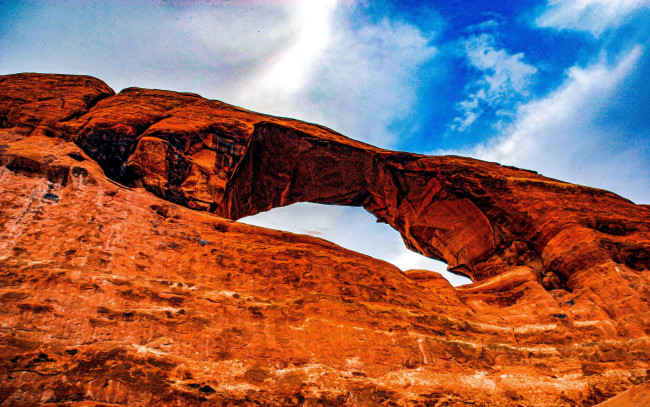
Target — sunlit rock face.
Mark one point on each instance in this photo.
(126, 281)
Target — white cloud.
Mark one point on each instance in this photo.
(506, 79)
(198, 48)
(594, 16)
(352, 228)
(357, 78)
(290, 69)
(566, 135)
(232, 34)
(507, 73)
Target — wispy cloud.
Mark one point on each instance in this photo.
(291, 68)
(594, 16)
(568, 134)
(359, 77)
(505, 79)
(217, 35)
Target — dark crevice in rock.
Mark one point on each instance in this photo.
(612, 227)
(633, 255)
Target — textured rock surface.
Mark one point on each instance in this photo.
(112, 295)
(635, 397)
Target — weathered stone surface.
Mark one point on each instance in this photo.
(111, 295)
(40, 104)
(635, 397)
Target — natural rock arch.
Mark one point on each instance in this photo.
(282, 166)
(482, 218)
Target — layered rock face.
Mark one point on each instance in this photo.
(127, 281)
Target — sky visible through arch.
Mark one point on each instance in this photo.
(556, 86)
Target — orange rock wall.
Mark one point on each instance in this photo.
(114, 290)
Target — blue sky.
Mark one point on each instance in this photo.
(560, 87)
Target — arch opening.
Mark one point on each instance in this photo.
(352, 228)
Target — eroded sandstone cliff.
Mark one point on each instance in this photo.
(125, 280)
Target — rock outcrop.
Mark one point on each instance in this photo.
(127, 281)
(635, 397)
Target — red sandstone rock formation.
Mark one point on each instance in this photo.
(635, 397)
(113, 295)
